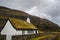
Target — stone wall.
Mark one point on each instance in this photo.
(2, 37)
(26, 37)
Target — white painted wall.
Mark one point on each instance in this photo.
(19, 32)
(8, 29)
(9, 37)
(26, 32)
(37, 32)
(34, 31)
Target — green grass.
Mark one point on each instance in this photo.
(42, 37)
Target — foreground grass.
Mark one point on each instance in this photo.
(42, 37)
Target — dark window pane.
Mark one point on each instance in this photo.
(30, 31)
(23, 32)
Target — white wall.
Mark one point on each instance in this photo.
(8, 29)
(19, 32)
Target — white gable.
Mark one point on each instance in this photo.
(8, 29)
(28, 20)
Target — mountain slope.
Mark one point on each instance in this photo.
(4, 11)
(44, 24)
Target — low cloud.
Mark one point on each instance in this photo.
(34, 11)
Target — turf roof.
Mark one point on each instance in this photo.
(20, 24)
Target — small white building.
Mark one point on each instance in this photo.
(18, 27)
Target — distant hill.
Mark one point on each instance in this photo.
(41, 24)
(44, 24)
(7, 12)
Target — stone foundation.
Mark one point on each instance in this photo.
(2, 37)
(25, 37)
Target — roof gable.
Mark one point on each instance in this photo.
(2, 23)
(8, 29)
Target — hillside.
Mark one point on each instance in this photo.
(44, 24)
(41, 24)
(7, 12)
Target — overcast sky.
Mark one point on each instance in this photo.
(49, 9)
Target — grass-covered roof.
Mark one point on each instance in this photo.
(20, 24)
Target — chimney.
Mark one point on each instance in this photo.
(28, 20)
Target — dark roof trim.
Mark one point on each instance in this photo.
(26, 29)
(3, 25)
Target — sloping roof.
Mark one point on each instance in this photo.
(2, 23)
(20, 24)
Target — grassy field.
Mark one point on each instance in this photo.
(52, 36)
(42, 37)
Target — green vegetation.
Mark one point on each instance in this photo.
(20, 24)
(44, 24)
(42, 37)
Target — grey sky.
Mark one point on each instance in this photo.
(49, 9)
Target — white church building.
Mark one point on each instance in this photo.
(18, 27)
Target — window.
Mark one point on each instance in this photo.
(30, 32)
(23, 32)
